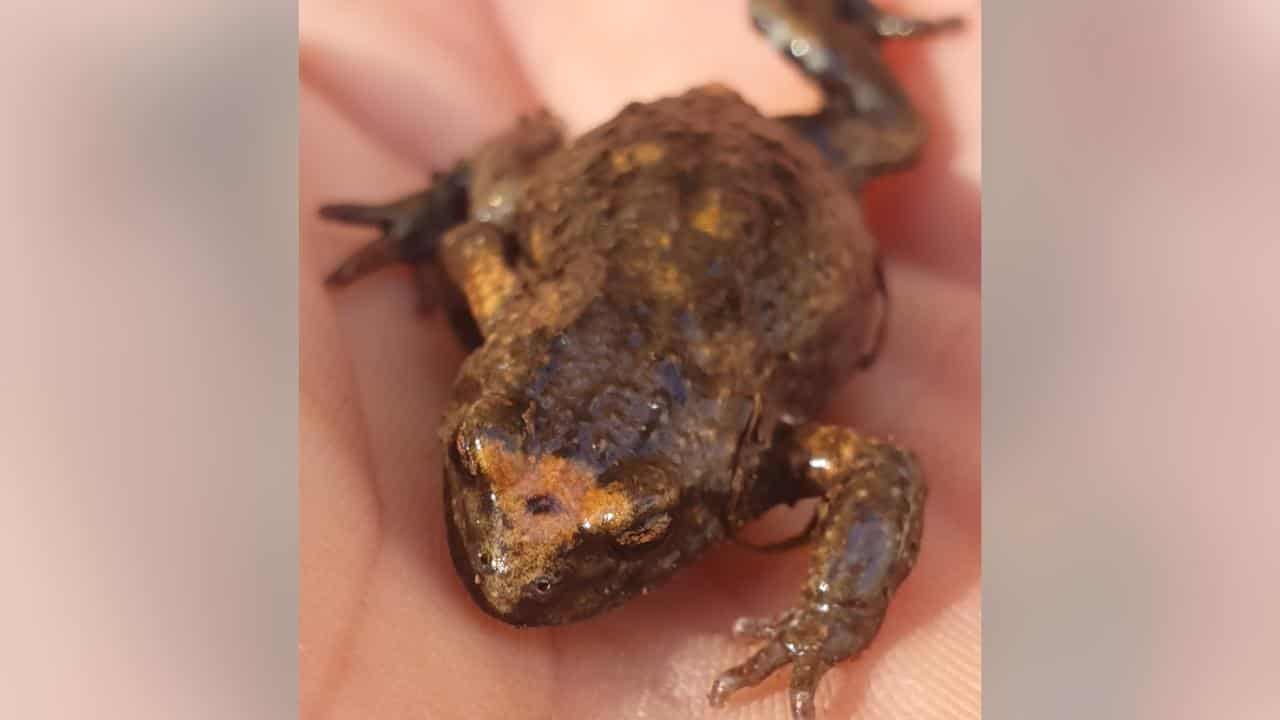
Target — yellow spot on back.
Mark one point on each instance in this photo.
(668, 281)
(707, 217)
(538, 243)
(638, 155)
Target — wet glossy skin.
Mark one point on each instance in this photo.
(658, 309)
(695, 272)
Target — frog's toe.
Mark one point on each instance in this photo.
(805, 675)
(367, 259)
(752, 672)
(355, 214)
(887, 25)
(398, 222)
(813, 637)
(755, 629)
(411, 225)
(808, 669)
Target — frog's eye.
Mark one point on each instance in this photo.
(647, 531)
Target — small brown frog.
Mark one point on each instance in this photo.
(657, 311)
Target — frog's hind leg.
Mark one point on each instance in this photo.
(868, 531)
(889, 25)
(867, 125)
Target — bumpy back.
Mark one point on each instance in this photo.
(719, 233)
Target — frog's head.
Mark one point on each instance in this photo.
(542, 538)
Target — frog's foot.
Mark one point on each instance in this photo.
(812, 637)
(870, 522)
(411, 226)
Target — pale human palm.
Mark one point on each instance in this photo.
(390, 90)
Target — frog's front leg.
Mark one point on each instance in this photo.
(461, 222)
(474, 257)
(868, 536)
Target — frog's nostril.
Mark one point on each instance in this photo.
(542, 587)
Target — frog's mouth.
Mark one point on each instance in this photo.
(577, 597)
(462, 557)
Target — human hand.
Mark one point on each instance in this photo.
(387, 629)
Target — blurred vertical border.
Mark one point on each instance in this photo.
(1131, 339)
(148, 491)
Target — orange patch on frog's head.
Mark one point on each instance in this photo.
(547, 499)
(544, 539)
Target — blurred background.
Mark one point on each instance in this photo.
(148, 436)
(1131, 340)
(1131, 336)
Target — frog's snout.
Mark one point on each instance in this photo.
(504, 582)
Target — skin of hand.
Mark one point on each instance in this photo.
(390, 90)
